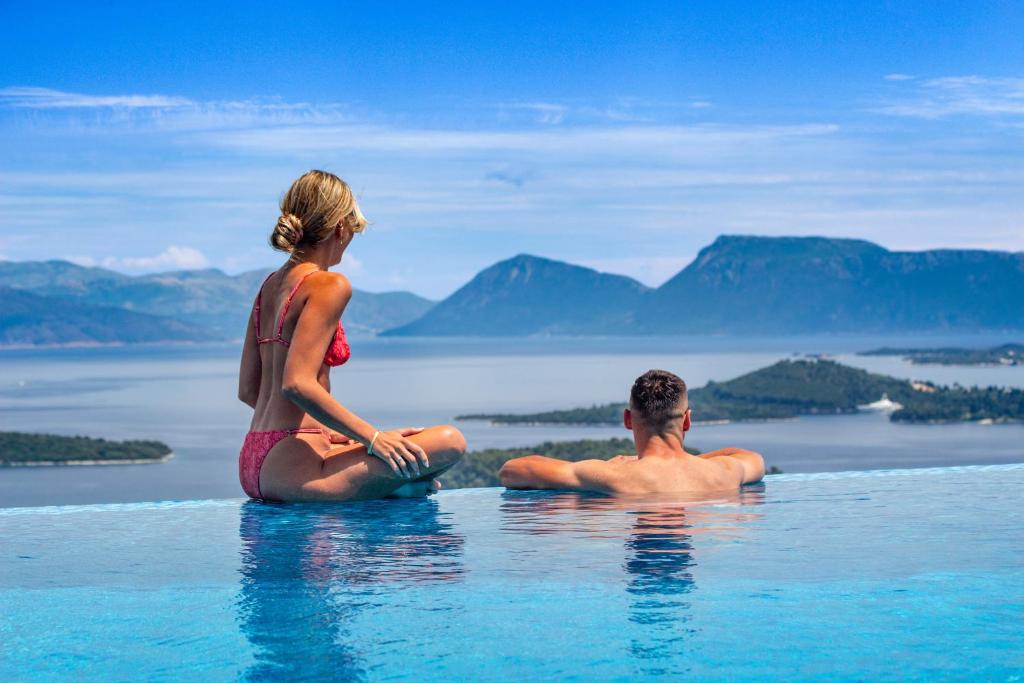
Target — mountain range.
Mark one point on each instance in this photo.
(736, 285)
(744, 285)
(57, 302)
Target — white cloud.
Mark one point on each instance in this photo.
(165, 113)
(936, 98)
(700, 104)
(544, 112)
(898, 77)
(351, 264)
(46, 98)
(631, 140)
(172, 258)
(595, 187)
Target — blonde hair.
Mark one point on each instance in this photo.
(311, 209)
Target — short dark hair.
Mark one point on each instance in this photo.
(656, 397)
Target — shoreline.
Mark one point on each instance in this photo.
(696, 423)
(713, 423)
(115, 344)
(77, 463)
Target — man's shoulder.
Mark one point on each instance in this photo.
(725, 469)
(700, 471)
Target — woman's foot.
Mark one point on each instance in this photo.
(416, 489)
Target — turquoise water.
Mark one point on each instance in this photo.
(897, 575)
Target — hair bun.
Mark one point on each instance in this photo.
(287, 233)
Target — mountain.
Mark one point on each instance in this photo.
(371, 313)
(28, 319)
(207, 304)
(530, 295)
(791, 285)
(736, 285)
(745, 285)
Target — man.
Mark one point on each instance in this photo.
(659, 417)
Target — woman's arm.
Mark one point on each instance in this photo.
(314, 332)
(251, 371)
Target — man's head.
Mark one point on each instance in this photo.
(658, 405)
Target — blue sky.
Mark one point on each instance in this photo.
(623, 136)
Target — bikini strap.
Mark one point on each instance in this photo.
(288, 303)
(256, 306)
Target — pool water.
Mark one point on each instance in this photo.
(905, 574)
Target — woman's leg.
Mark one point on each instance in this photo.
(297, 470)
(422, 486)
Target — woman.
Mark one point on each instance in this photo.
(303, 444)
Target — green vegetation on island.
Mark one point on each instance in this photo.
(480, 468)
(963, 404)
(791, 388)
(1007, 354)
(19, 448)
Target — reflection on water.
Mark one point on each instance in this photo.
(661, 557)
(308, 570)
(663, 539)
(659, 563)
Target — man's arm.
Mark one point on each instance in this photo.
(540, 472)
(751, 463)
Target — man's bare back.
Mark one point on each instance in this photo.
(659, 418)
(724, 470)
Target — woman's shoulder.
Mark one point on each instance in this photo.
(329, 285)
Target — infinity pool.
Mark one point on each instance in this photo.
(905, 574)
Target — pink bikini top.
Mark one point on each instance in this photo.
(337, 353)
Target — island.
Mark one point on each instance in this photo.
(1006, 354)
(20, 449)
(791, 388)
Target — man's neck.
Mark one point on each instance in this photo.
(660, 444)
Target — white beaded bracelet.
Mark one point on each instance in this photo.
(369, 449)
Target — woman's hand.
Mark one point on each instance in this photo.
(339, 439)
(404, 457)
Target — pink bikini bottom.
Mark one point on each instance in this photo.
(254, 452)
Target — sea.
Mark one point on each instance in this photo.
(185, 395)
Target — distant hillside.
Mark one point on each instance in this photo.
(789, 285)
(737, 285)
(28, 319)
(529, 295)
(791, 388)
(745, 285)
(372, 313)
(193, 305)
(1007, 354)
